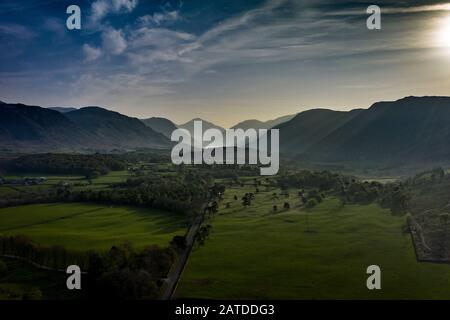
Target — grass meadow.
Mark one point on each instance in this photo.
(319, 253)
(90, 226)
(78, 182)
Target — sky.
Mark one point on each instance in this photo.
(222, 60)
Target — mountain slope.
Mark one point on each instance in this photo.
(206, 125)
(410, 129)
(63, 109)
(256, 124)
(34, 128)
(310, 127)
(161, 125)
(250, 124)
(117, 130)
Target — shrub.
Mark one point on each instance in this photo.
(311, 203)
(3, 267)
(33, 294)
(179, 242)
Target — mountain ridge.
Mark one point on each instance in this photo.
(257, 124)
(161, 125)
(36, 129)
(410, 129)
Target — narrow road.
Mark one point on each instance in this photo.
(173, 277)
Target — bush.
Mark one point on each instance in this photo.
(33, 294)
(179, 242)
(3, 267)
(311, 203)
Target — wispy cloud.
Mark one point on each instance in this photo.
(133, 51)
(113, 41)
(159, 18)
(101, 8)
(386, 9)
(18, 31)
(91, 53)
(412, 9)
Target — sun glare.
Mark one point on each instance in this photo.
(443, 34)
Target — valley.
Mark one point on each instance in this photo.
(299, 253)
(309, 232)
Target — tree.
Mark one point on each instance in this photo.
(203, 234)
(246, 200)
(444, 218)
(92, 175)
(179, 242)
(3, 267)
(304, 200)
(33, 294)
(214, 207)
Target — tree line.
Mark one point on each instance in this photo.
(395, 196)
(119, 273)
(56, 257)
(89, 165)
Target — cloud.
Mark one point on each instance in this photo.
(18, 31)
(242, 20)
(199, 52)
(54, 25)
(113, 41)
(101, 8)
(158, 37)
(113, 89)
(277, 31)
(91, 53)
(386, 9)
(158, 19)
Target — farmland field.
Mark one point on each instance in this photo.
(89, 226)
(78, 183)
(319, 253)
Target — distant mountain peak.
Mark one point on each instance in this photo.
(408, 130)
(206, 125)
(161, 125)
(414, 100)
(257, 124)
(196, 119)
(34, 128)
(63, 109)
(95, 108)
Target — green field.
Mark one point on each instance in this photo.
(321, 253)
(78, 183)
(89, 226)
(51, 179)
